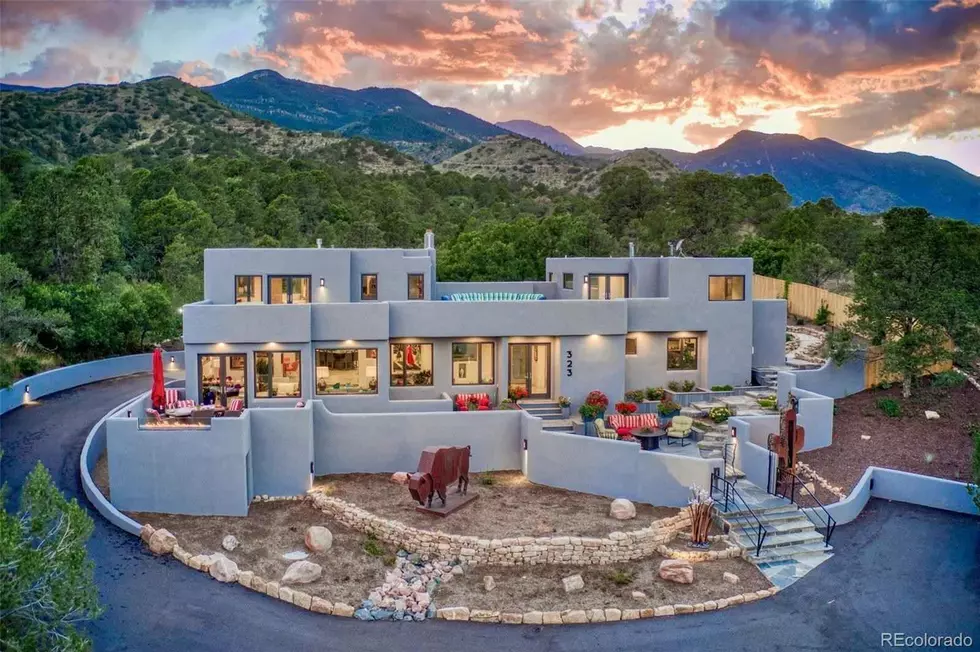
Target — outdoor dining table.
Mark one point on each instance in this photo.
(649, 439)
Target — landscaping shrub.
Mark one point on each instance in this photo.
(28, 365)
(948, 380)
(635, 395)
(890, 407)
(372, 547)
(674, 386)
(974, 489)
(719, 414)
(721, 388)
(654, 393)
(486, 479)
(688, 386)
(621, 577)
(768, 402)
(822, 318)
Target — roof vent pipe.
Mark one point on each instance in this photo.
(430, 239)
(319, 243)
(632, 250)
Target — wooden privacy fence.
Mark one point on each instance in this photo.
(874, 367)
(803, 300)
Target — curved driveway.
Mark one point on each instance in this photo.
(898, 568)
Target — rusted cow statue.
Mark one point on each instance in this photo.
(440, 467)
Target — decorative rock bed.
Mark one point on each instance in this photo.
(406, 593)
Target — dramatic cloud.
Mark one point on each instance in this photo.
(197, 73)
(65, 66)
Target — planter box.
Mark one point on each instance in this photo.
(669, 415)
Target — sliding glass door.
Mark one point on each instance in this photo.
(530, 368)
(608, 286)
(222, 378)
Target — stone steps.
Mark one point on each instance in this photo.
(792, 552)
(780, 540)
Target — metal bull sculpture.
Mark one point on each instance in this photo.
(440, 467)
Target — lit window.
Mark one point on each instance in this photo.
(416, 286)
(682, 353)
(473, 363)
(248, 289)
(726, 288)
(277, 374)
(630, 346)
(289, 289)
(411, 364)
(346, 371)
(567, 281)
(222, 378)
(608, 286)
(369, 287)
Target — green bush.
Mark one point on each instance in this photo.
(486, 479)
(688, 386)
(768, 402)
(28, 365)
(721, 388)
(822, 318)
(635, 395)
(666, 407)
(890, 407)
(654, 393)
(974, 489)
(719, 414)
(948, 379)
(674, 386)
(373, 547)
(621, 577)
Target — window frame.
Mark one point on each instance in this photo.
(224, 360)
(419, 276)
(255, 374)
(404, 372)
(251, 278)
(289, 295)
(316, 365)
(635, 346)
(682, 341)
(567, 281)
(727, 277)
(598, 275)
(479, 363)
(375, 297)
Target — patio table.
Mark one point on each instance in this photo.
(649, 440)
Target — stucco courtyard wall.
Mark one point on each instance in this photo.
(815, 413)
(751, 453)
(768, 332)
(282, 451)
(831, 380)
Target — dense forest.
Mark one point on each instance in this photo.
(97, 252)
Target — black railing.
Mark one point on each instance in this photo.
(827, 521)
(729, 459)
(731, 497)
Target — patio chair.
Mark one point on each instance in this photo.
(602, 431)
(680, 429)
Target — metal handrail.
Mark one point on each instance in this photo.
(830, 524)
(730, 495)
(724, 457)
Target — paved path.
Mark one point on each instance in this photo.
(898, 568)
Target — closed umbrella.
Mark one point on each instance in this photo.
(158, 397)
(409, 356)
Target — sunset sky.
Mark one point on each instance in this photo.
(885, 76)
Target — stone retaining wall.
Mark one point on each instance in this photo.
(614, 548)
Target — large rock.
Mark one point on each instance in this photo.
(302, 572)
(731, 578)
(488, 583)
(400, 478)
(677, 570)
(318, 538)
(573, 583)
(622, 509)
(223, 569)
(931, 415)
(230, 542)
(162, 542)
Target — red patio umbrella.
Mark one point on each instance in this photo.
(158, 397)
(409, 356)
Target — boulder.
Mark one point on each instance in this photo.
(318, 538)
(146, 532)
(223, 569)
(638, 595)
(731, 578)
(930, 415)
(622, 509)
(573, 583)
(400, 478)
(295, 555)
(677, 570)
(162, 542)
(302, 572)
(229, 543)
(488, 583)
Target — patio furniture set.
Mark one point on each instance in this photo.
(646, 428)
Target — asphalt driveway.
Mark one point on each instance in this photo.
(898, 568)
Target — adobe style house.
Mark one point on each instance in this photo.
(372, 330)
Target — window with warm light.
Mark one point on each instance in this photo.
(278, 374)
(726, 288)
(473, 363)
(682, 353)
(411, 365)
(289, 289)
(416, 287)
(630, 346)
(608, 286)
(346, 371)
(567, 281)
(248, 289)
(369, 287)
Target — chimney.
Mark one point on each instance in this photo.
(632, 250)
(319, 242)
(430, 239)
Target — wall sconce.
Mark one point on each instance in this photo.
(180, 311)
(323, 283)
(525, 444)
(129, 414)
(734, 432)
(27, 389)
(172, 361)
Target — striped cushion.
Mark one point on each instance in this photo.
(236, 404)
(493, 296)
(171, 396)
(464, 399)
(631, 421)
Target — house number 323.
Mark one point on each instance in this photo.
(568, 363)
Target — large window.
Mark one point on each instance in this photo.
(222, 378)
(726, 288)
(567, 281)
(411, 364)
(608, 286)
(473, 363)
(416, 286)
(278, 374)
(289, 289)
(682, 353)
(346, 371)
(369, 287)
(248, 289)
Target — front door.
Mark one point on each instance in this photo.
(530, 368)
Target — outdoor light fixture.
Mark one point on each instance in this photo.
(129, 414)
(180, 310)
(172, 360)
(734, 432)
(322, 282)
(348, 342)
(27, 389)
(525, 444)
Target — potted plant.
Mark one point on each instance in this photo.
(589, 414)
(635, 395)
(472, 405)
(654, 393)
(674, 385)
(668, 409)
(517, 393)
(565, 404)
(507, 404)
(625, 408)
(688, 386)
(599, 400)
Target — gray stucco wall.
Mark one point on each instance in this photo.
(385, 443)
(282, 451)
(833, 381)
(752, 454)
(768, 332)
(815, 414)
(179, 471)
(598, 362)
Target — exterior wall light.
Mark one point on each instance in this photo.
(734, 432)
(323, 282)
(348, 342)
(27, 389)
(129, 414)
(172, 361)
(180, 311)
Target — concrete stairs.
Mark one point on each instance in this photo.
(549, 412)
(712, 446)
(766, 376)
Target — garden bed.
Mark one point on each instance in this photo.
(939, 448)
(508, 506)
